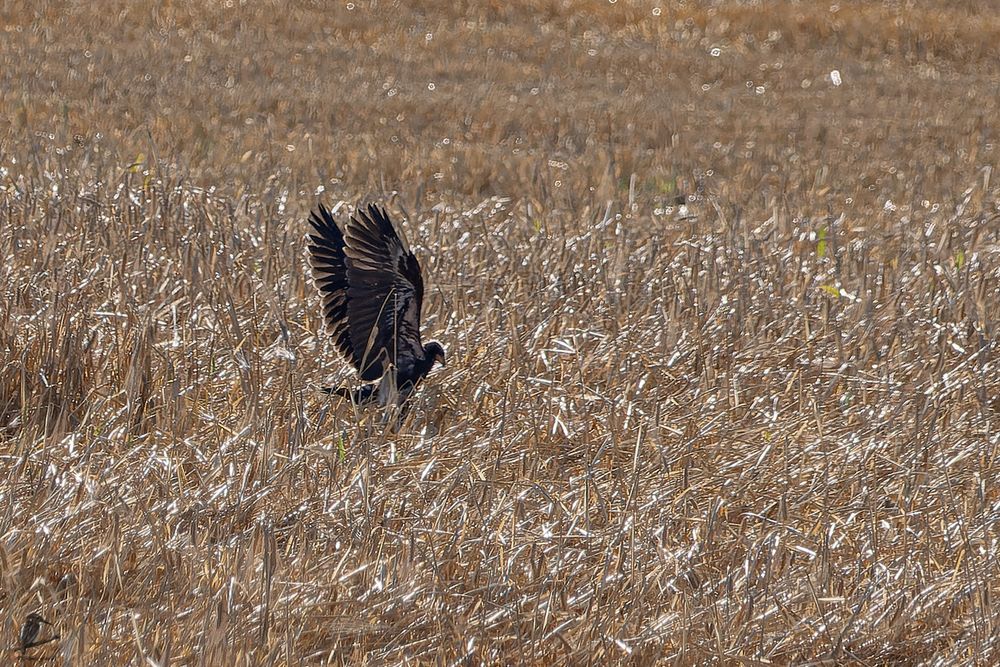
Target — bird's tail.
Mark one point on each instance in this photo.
(362, 394)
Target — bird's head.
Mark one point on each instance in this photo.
(434, 352)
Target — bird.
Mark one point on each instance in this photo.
(372, 289)
(29, 632)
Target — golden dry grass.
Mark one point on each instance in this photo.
(723, 380)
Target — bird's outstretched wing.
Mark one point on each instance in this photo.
(329, 270)
(384, 294)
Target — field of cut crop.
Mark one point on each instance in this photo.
(719, 284)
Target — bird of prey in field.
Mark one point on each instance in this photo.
(371, 290)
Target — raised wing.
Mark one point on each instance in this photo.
(384, 294)
(329, 270)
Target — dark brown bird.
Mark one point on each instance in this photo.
(372, 290)
(29, 632)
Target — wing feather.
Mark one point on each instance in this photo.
(329, 270)
(384, 294)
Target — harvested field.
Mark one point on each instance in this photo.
(719, 284)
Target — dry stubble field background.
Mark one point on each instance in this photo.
(756, 428)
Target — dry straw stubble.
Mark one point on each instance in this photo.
(758, 426)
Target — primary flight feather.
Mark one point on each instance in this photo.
(372, 289)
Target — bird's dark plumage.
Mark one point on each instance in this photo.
(372, 289)
(30, 630)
